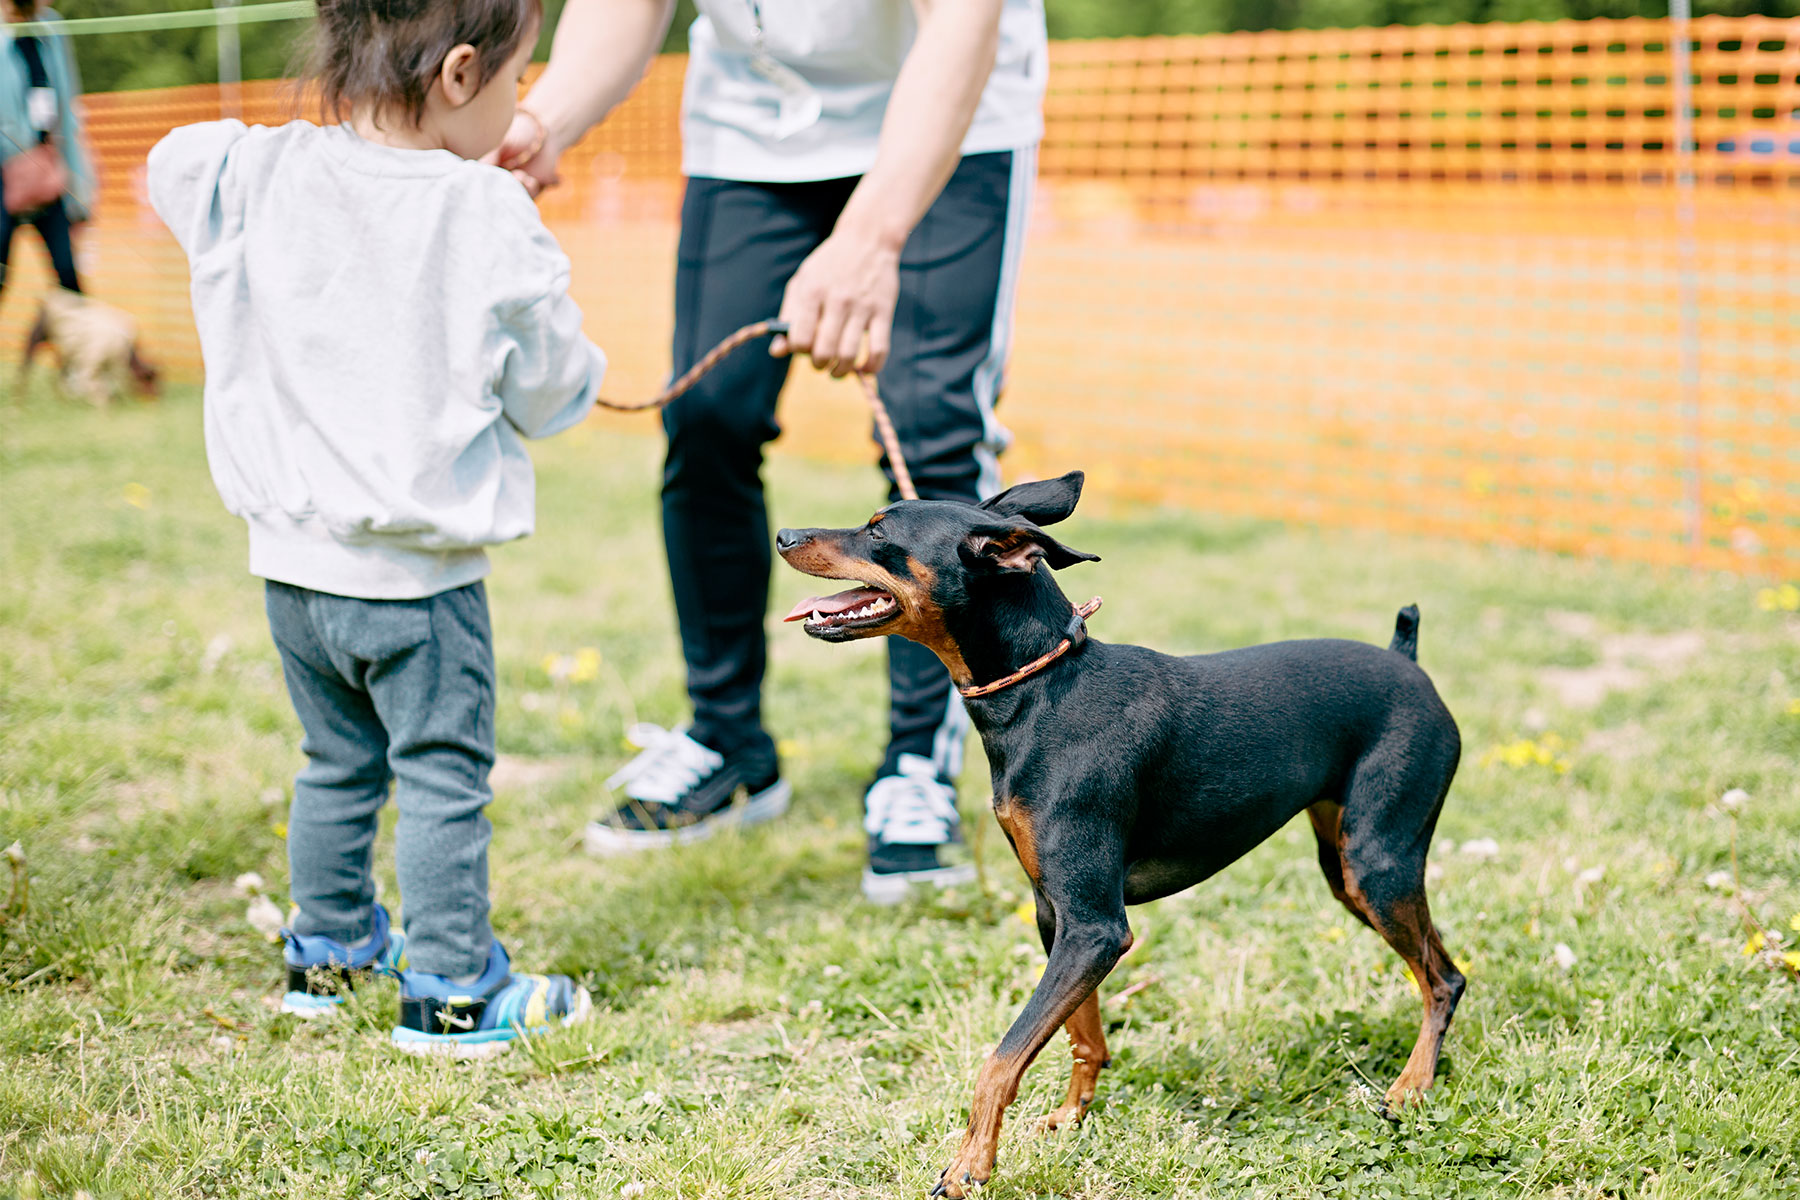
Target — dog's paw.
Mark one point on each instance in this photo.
(1068, 1116)
(969, 1169)
(1404, 1094)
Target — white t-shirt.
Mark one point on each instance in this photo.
(810, 105)
(380, 328)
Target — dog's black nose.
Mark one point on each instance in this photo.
(787, 539)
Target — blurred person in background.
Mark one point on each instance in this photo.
(863, 168)
(46, 174)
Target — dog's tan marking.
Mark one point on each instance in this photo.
(995, 1088)
(1013, 819)
(1087, 1042)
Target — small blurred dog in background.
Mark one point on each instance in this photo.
(97, 344)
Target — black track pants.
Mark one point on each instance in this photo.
(740, 242)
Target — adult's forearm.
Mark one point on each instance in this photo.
(933, 102)
(598, 55)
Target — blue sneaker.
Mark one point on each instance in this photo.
(485, 1017)
(320, 970)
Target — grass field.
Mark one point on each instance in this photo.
(762, 1033)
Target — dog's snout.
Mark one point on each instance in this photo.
(788, 539)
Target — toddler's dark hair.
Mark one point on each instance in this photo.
(386, 53)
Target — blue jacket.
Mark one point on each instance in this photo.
(16, 133)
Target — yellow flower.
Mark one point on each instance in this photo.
(1334, 934)
(587, 666)
(1789, 596)
(1027, 914)
(1792, 959)
(1794, 922)
(1754, 945)
(1794, 708)
(1464, 965)
(137, 495)
(1767, 600)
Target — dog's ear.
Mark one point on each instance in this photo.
(1017, 548)
(1042, 501)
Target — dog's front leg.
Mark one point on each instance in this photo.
(1089, 940)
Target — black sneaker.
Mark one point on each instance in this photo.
(680, 791)
(913, 827)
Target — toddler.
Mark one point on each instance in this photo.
(382, 320)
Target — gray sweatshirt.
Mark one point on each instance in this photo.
(380, 328)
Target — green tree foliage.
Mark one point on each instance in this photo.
(116, 62)
(163, 58)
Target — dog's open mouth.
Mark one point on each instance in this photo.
(861, 607)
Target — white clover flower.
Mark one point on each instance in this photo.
(1590, 877)
(1480, 848)
(1563, 956)
(1719, 881)
(264, 917)
(632, 1190)
(1734, 800)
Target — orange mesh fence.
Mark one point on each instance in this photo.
(1435, 279)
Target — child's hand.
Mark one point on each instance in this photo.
(526, 152)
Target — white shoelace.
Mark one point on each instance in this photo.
(912, 808)
(669, 767)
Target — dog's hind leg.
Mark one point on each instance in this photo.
(1389, 813)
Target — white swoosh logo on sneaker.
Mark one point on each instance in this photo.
(456, 1022)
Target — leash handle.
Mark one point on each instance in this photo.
(884, 424)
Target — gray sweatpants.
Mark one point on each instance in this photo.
(397, 691)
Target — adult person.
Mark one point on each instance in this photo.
(864, 169)
(46, 175)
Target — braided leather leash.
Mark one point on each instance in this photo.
(884, 424)
(1037, 664)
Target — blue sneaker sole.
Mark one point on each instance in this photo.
(483, 1043)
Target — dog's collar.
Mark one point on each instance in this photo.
(1076, 634)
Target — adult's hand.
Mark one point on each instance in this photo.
(846, 289)
(598, 54)
(843, 293)
(527, 151)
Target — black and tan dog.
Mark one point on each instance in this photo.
(1121, 775)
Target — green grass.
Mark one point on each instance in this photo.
(763, 1034)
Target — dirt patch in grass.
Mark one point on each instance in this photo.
(513, 773)
(1627, 660)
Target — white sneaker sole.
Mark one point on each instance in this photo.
(887, 890)
(609, 841)
(307, 1008)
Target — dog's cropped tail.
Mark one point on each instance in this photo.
(1406, 633)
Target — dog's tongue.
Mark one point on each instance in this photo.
(829, 605)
